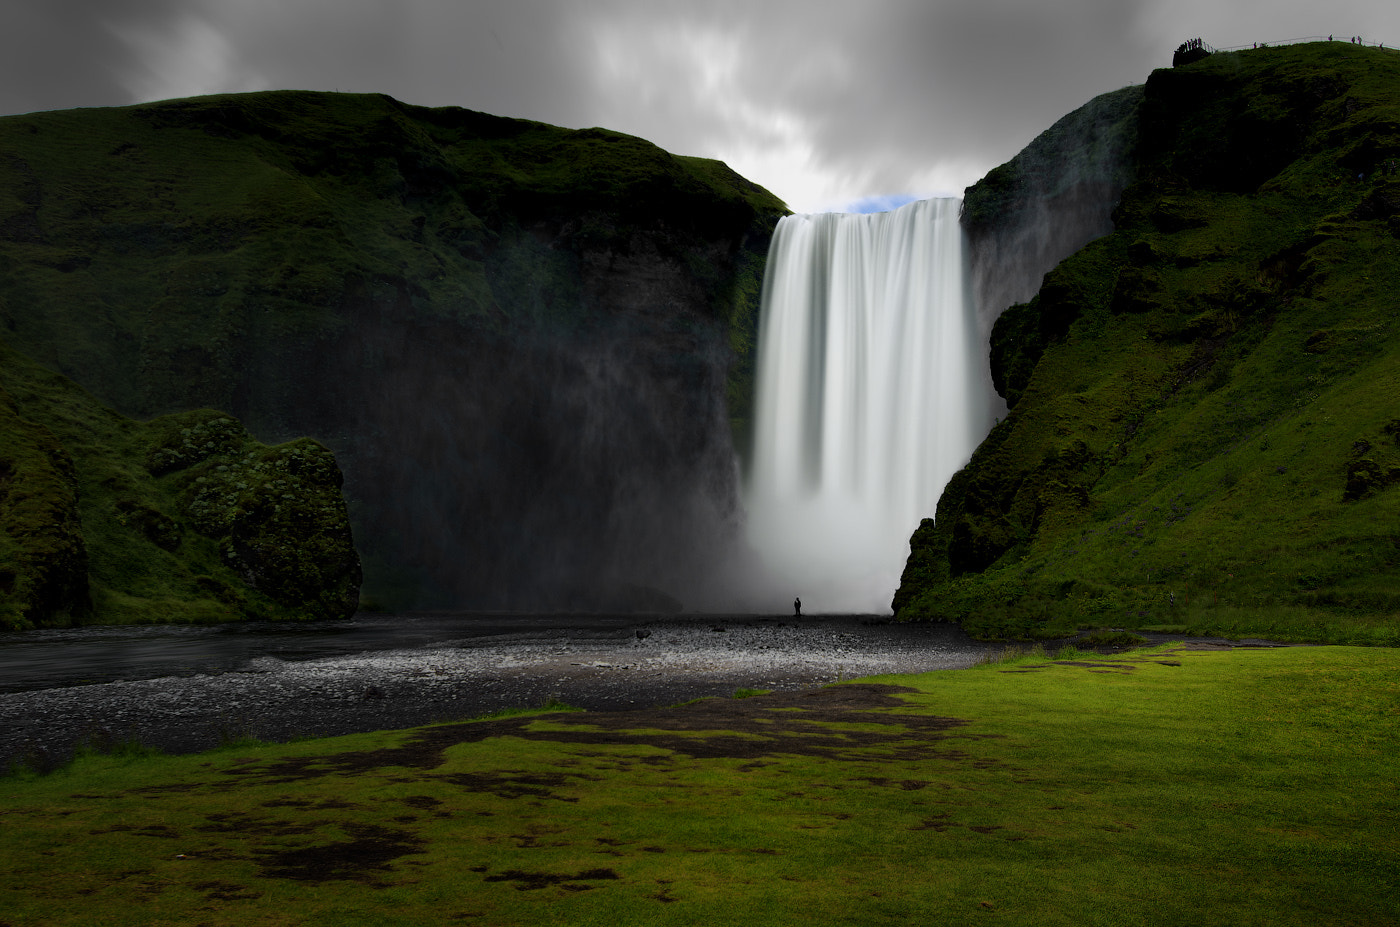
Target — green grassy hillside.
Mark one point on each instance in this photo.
(184, 518)
(152, 250)
(1204, 424)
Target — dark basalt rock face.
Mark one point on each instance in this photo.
(537, 468)
(1188, 54)
(1058, 194)
(1031, 213)
(528, 348)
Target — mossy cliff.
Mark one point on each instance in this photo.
(183, 518)
(528, 347)
(1050, 200)
(1203, 427)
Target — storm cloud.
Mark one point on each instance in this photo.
(825, 102)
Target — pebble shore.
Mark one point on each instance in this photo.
(654, 664)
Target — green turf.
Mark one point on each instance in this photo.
(1165, 787)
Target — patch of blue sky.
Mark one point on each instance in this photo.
(871, 204)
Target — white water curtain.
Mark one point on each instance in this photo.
(869, 397)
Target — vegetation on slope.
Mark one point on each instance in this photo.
(1203, 424)
(238, 222)
(184, 518)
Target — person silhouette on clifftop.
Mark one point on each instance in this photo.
(797, 608)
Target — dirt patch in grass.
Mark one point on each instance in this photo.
(422, 802)
(841, 723)
(226, 891)
(908, 785)
(1122, 667)
(533, 881)
(369, 849)
(243, 823)
(152, 830)
(818, 723)
(324, 804)
(515, 784)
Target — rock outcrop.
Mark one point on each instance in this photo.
(43, 555)
(182, 519)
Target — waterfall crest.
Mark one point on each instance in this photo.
(871, 393)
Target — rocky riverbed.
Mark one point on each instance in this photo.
(629, 666)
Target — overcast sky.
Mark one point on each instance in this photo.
(831, 104)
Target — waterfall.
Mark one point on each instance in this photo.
(871, 392)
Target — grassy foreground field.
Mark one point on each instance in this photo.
(1173, 786)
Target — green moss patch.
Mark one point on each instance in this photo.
(184, 518)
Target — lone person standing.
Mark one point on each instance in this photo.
(797, 608)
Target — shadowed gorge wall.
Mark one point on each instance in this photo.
(1056, 195)
(1046, 203)
(528, 347)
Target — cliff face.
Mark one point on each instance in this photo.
(43, 556)
(518, 340)
(1049, 201)
(1199, 429)
(1054, 197)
